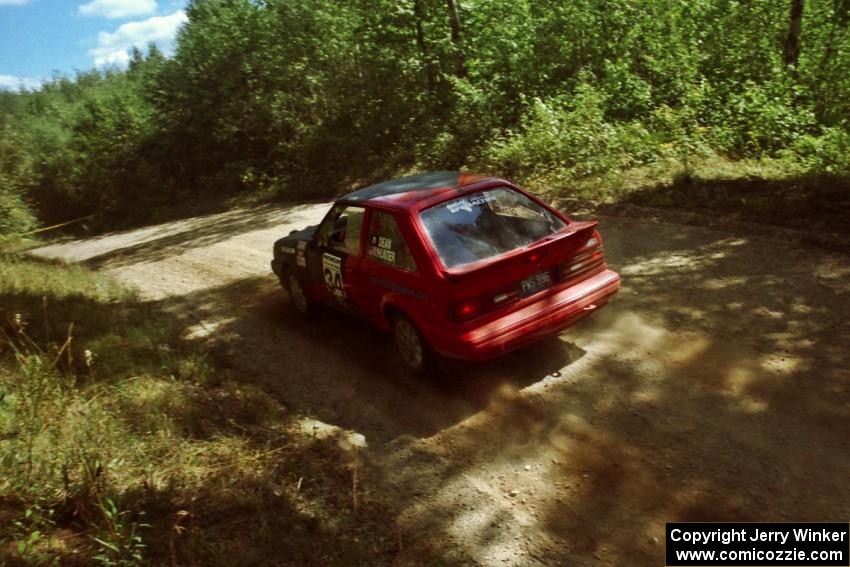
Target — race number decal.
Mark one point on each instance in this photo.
(332, 274)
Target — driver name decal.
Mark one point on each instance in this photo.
(332, 274)
(383, 250)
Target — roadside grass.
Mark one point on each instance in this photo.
(120, 444)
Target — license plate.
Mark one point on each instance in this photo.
(535, 283)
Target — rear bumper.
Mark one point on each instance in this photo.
(545, 317)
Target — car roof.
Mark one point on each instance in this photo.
(404, 192)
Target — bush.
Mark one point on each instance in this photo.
(829, 152)
(570, 138)
(16, 216)
(470, 119)
(758, 119)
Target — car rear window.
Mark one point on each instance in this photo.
(486, 224)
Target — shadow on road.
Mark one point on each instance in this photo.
(346, 372)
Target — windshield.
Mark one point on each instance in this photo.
(486, 224)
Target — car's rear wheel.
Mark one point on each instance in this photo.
(300, 300)
(416, 354)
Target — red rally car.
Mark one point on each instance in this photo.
(450, 263)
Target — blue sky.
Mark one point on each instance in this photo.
(41, 37)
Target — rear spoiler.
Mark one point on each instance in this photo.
(572, 230)
(575, 227)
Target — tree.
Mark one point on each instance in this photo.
(430, 70)
(454, 23)
(792, 40)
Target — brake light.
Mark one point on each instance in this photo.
(594, 242)
(469, 309)
(587, 260)
(465, 310)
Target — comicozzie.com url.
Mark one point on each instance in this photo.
(758, 544)
(779, 555)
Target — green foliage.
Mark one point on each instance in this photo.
(16, 179)
(108, 137)
(571, 139)
(120, 543)
(472, 120)
(828, 152)
(300, 98)
(31, 534)
(758, 119)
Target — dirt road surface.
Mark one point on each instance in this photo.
(714, 387)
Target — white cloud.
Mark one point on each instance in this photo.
(113, 48)
(13, 2)
(113, 9)
(13, 83)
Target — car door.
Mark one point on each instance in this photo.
(334, 256)
(389, 270)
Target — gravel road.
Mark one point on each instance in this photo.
(714, 387)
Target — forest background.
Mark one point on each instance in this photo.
(721, 103)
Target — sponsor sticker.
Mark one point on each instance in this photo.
(467, 204)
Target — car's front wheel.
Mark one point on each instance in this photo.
(416, 353)
(300, 300)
